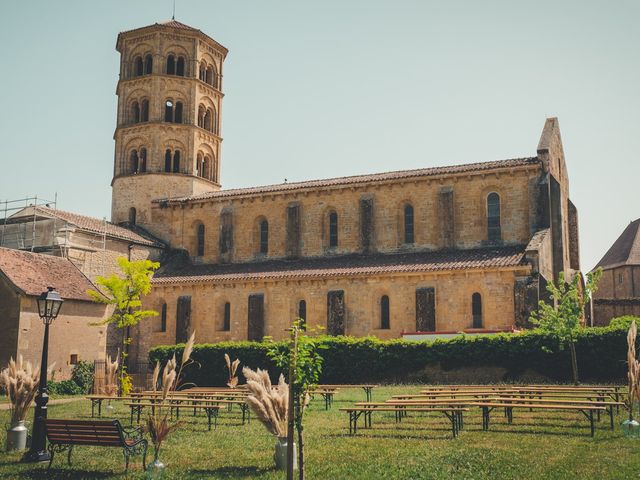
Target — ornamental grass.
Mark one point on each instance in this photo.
(269, 403)
(20, 383)
(232, 367)
(633, 372)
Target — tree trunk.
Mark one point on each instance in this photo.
(574, 363)
(300, 450)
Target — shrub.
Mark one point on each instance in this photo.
(82, 375)
(601, 352)
(64, 387)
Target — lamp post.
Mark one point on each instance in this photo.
(49, 304)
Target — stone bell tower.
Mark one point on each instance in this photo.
(167, 139)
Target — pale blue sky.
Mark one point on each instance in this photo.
(331, 88)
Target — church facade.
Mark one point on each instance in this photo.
(466, 247)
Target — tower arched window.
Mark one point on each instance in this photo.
(167, 160)
(144, 111)
(202, 73)
(180, 66)
(207, 122)
(176, 161)
(177, 117)
(494, 232)
(476, 310)
(148, 64)
(171, 65)
(302, 312)
(384, 312)
(138, 67)
(168, 111)
(200, 240)
(163, 317)
(211, 76)
(264, 237)
(333, 229)
(142, 163)
(199, 165)
(132, 216)
(135, 112)
(134, 161)
(408, 224)
(206, 167)
(201, 114)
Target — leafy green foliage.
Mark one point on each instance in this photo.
(624, 321)
(125, 292)
(82, 375)
(601, 352)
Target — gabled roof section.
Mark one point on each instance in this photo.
(94, 225)
(360, 179)
(625, 250)
(32, 273)
(342, 266)
(175, 25)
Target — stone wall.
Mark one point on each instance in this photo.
(9, 322)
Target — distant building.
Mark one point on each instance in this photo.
(619, 290)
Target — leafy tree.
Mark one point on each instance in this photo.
(301, 358)
(125, 292)
(563, 318)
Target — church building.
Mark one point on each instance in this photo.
(459, 248)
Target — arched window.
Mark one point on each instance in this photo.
(206, 168)
(333, 229)
(139, 66)
(494, 233)
(163, 318)
(408, 224)
(476, 310)
(148, 64)
(226, 320)
(207, 122)
(211, 76)
(171, 65)
(302, 312)
(199, 165)
(201, 115)
(134, 161)
(167, 160)
(180, 66)
(200, 235)
(144, 116)
(135, 112)
(202, 73)
(142, 164)
(168, 111)
(384, 312)
(132, 216)
(176, 161)
(264, 237)
(178, 113)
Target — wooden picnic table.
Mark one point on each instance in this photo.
(96, 401)
(139, 403)
(368, 388)
(209, 408)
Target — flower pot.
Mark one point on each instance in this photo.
(280, 455)
(155, 469)
(631, 428)
(17, 436)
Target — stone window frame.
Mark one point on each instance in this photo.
(384, 312)
(477, 317)
(200, 243)
(405, 238)
(494, 233)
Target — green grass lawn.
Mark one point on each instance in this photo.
(536, 446)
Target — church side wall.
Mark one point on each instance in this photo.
(9, 322)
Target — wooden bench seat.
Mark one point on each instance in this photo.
(454, 414)
(65, 434)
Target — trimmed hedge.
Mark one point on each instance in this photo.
(513, 357)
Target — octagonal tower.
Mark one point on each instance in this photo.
(167, 139)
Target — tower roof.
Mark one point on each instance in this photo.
(625, 250)
(171, 25)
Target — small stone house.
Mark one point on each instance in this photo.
(72, 337)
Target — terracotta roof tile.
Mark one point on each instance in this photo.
(32, 273)
(360, 179)
(95, 225)
(343, 266)
(625, 250)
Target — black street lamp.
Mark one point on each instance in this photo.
(49, 304)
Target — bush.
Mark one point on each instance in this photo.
(64, 387)
(82, 375)
(624, 322)
(510, 357)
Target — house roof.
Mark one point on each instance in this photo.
(359, 179)
(95, 225)
(342, 266)
(32, 273)
(625, 250)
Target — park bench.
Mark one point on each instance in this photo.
(65, 434)
(488, 407)
(454, 414)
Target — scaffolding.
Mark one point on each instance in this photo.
(21, 231)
